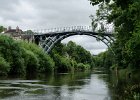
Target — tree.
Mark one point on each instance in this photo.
(4, 66)
(29, 32)
(70, 57)
(11, 51)
(22, 58)
(125, 15)
(2, 29)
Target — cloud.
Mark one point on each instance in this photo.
(45, 14)
(18, 13)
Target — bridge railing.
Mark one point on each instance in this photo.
(69, 29)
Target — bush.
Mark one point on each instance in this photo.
(22, 57)
(80, 66)
(67, 56)
(83, 67)
(62, 63)
(11, 51)
(4, 66)
(65, 64)
(45, 63)
(31, 62)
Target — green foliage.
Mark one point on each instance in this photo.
(83, 67)
(45, 63)
(21, 58)
(31, 61)
(30, 32)
(125, 15)
(71, 57)
(79, 54)
(133, 50)
(105, 60)
(2, 29)
(12, 53)
(62, 63)
(4, 66)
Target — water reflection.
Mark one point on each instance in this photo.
(55, 87)
(122, 87)
(79, 86)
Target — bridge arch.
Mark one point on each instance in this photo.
(48, 41)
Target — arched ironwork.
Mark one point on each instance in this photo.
(49, 37)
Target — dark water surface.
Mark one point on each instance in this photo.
(95, 85)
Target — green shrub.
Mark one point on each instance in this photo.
(67, 56)
(4, 66)
(80, 66)
(65, 64)
(31, 62)
(11, 51)
(87, 67)
(73, 65)
(83, 67)
(23, 57)
(46, 64)
(62, 63)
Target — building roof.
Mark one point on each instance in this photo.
(14, 31)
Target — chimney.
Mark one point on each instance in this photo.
(9, 28)
(17, 29)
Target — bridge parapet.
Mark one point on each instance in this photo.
(71, 29)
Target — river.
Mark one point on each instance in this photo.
(96, 85)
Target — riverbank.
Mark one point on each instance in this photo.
(22, 58)
(126, 82)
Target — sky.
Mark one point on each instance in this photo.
(45, 14)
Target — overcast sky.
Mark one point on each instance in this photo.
(45, 14)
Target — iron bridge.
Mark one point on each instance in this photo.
(47, 38)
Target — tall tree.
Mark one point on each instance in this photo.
(125, 15)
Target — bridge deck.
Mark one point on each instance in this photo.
(81, 30)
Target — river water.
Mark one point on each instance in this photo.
(96, 85)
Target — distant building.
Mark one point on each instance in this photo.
(27, 37)
(18, 34)
(15, 33)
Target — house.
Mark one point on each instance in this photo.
(18, 34)
(14, 33)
